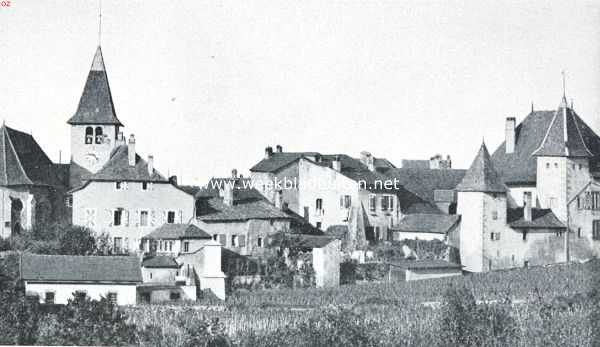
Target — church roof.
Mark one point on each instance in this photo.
(118, 169)
(22, 160)
(563, 137)
(96, 103)
(481, 176)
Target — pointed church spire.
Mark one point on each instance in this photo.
(481, 176)
(96, 104)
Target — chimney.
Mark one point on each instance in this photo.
(318, 158)
(527, 206)
(234, 173)
(279, 199)
(150, 165)
(131, 150)
(173, 180)
(367, 159)
(434, 162)
(336, 164)
(268, 152)
(228, 192)
(120, 139)
(510, 136)
(278, 149)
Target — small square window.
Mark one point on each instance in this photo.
(49, 298)
(175, 296)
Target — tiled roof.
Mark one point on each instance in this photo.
(540, 219)
(178, 231)
(213, 209)
(23, 161)
(426, 264)
(481, 176)
(96, 104)
(355, 170)
(424, 182)
(117, 168)
(279, 160)
(563, 138)
(520, 167)
(427, 223)
(415, 164)
(70, 268)
(160, 261)
(303, 241)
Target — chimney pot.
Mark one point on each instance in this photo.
(278, 149)
(268, 152)
(510, 136)
(131, 150)
(150, 165)
(234, 173)
(336, 164)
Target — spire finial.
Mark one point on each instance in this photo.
(564, 84)
(532, 107)
(99, 22)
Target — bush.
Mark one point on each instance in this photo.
(465, 323)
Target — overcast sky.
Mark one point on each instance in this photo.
(206, 85)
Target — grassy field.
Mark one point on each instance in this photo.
(557, 307)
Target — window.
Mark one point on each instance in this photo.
(524, 236)
(259, 242)
(345, 201)
(595, 197)
(578, 232)
(99, 136)
(160, 245)
(171, 217)
(186, 246)
(216, 237)
(526, 263)
(119, 185)
(112, 297)
(117, 217)
(547, 165)
(143, 218)
(494, 236)
(495, 215)
(49, 298)
(242, 241)
(387, 203)
(89, 135)
(223, 239)
(559, 233)
(80, 294)
(319, 205)
(556, 165)
(117, 245)
(234, 240)
(144, 185)
(318, 225)
(170, 246)
(596, 230)
(69, 201)
(372, 202)
(580, 166)
(175, 296)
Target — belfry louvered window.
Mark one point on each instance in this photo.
(99, 135)
(89, 135)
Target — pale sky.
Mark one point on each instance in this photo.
(207, 85)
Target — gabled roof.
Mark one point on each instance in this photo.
(22, 160)
(178, 232)
(563, 137)
(279, 160)
(96, 103)
(481, 176)
(520, 167)
(540, 219)
(424, 182)
(215, 210)
(71, 268)
(160, 261)
(427, 223)
(117, 168)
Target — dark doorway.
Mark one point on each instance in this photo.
(16, 206)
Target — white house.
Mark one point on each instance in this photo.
(57, 278)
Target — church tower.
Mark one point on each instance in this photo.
(95, 128)
(482, 207)
(562, 161)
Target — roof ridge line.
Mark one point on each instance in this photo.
(547, 133)
(17, 156)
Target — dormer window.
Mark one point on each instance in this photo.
(99, 136)
(89, 135)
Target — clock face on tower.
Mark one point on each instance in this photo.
(91, 159)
